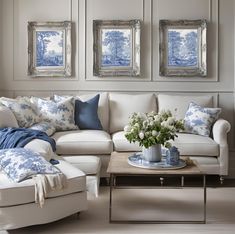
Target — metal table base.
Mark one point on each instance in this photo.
(111, 220)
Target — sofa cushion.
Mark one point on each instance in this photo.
(188, 144)
(7, 118)
(86, 116)
(89, 164)
(44, 126)
(178, 105)
(12, 193)
(103, 106)
(83, 142)
(20, 164)
(191, 144)
(59, 114)
(199, 120)
(123, 105)
(42, 147)
(24, 111)
(120, 143)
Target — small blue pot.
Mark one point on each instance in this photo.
(172, 156)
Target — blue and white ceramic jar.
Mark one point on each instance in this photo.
(172, 156)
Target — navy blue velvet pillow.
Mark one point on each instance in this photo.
(86, 116)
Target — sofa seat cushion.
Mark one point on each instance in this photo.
(122, 144)
(12, 193)
(83, 142)
(188, 144)
(191, 144)
(89, 164)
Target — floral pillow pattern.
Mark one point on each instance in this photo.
(20, 164)
(199, 120)
(46, 127)
(25, 113)
(59, 114)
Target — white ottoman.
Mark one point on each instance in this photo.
(17, 200)
(90, 165)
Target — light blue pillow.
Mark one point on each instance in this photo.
(199, 120)
(59, 114)
(20, 164)
(24, 111)
(86, 116)
(44, 126)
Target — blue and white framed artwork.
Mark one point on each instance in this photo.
(182, 47)
(116, 48)
(49, 49)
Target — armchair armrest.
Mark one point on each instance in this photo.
(220, 131)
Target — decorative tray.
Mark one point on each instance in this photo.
(136, 160)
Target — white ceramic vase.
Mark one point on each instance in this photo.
(153, 153)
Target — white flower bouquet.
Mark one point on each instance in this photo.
(151, 128)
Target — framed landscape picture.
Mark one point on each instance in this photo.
(116, 48)
(183, 48)
(49, 49)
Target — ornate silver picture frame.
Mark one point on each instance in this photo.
(49, 49)
(116, 48)
(183, 48)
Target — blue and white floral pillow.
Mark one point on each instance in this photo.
(199, 120)
(20, 164)
(46, 127)
(24, 111)
(59, 114)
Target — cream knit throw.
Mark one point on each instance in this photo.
(45, 183)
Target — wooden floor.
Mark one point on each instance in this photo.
(147, 204)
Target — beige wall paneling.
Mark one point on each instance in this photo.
(120, 10)
(33, 93)
(226, 101)
(33, 10)
(6, 57)
(188, 9)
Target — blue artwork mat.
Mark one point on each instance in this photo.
(116, 48)
(183, 48)
(49, 48)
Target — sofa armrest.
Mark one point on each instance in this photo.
(220, 131)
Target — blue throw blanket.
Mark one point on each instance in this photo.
(19, 137)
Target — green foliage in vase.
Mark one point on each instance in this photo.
(151, 128)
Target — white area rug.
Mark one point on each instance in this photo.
(150, 204)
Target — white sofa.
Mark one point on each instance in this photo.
(114, 109)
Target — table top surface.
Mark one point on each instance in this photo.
(118, 164)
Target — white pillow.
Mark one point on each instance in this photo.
(25, 113)
(43, 126)
(59, 114)
(7, 118)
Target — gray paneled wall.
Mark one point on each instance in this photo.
(14, 15)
